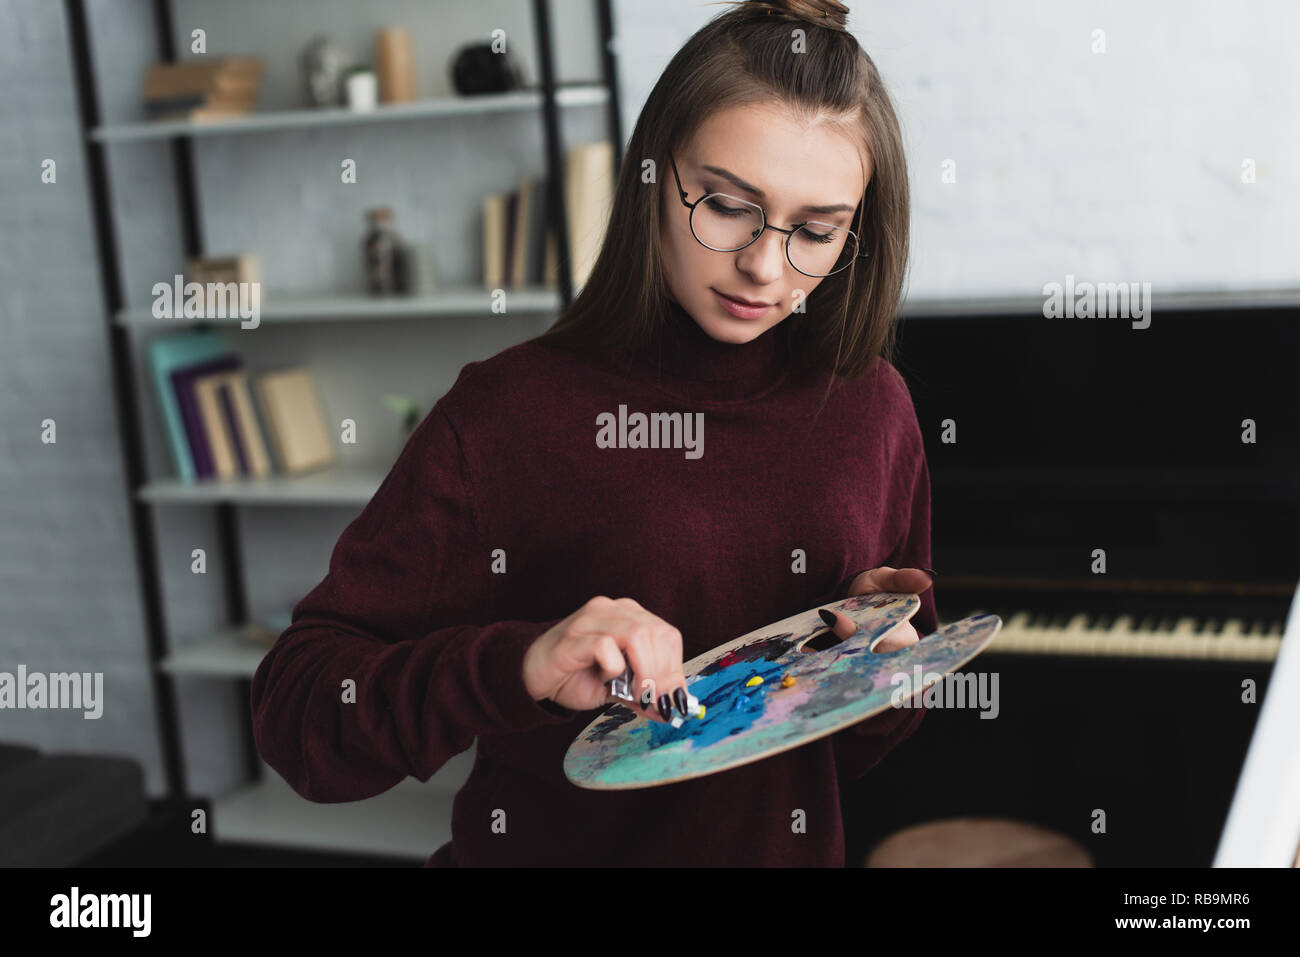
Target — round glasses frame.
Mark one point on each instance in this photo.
(860, 254)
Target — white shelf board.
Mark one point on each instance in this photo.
(331, 486)
(227, 654)
(410, 819)
(453, 301)
(279, 120)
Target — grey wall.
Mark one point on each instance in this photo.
(69, 597)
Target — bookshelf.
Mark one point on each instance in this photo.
(401, 822)
(226, 654)
(337, 485)
(412, 819)
(453, 301)
(522, 102)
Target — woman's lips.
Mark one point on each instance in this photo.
(739, 309)
(747, 302)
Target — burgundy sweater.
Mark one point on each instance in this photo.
(780, 512)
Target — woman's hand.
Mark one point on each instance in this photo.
(881, 579)
(570, 662)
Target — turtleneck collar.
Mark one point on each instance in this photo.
(687, 362)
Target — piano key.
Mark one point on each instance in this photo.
(1231, 640)
(1076, 629)
(1114, 639)
(1055, 637)
(1147, 642)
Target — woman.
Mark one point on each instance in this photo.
(533, 540)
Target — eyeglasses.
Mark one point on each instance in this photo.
(727, 223)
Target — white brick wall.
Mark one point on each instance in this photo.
(1124, 165)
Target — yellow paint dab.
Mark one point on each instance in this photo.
(787, 681)
(756, 680)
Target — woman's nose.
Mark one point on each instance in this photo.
(764, 258)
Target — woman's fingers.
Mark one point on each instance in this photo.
(902, 636)
(843, 625)
(904, 633)
(665, 694)
(652, 649)
(609, 657)
(886, 578)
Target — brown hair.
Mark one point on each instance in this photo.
(739, 57)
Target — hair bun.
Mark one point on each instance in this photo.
(822, 13)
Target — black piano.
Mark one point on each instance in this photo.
(1128, 501)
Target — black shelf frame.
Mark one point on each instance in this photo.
(131, 435)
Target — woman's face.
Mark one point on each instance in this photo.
(792, 166)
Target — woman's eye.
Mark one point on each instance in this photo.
(816, 237)
(718, 207)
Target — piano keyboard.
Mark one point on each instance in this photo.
(1150, 637)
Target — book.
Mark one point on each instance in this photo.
(166, 354)
(246, 267)
(205, 75)
(589, 196)
(188, 101)
(539, 228)
(202, 114)
(522, 234)
(494, 231)
(508, 246)
(247, 430)
(200, 90)
(294, 420)
(198, 433)
(216, 430)
(232, 424)
(519, 243)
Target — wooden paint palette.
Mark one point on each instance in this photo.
(746, 721)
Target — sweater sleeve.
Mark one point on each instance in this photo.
(383, 671)
(862, 746)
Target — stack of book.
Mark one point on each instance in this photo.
(215, 428)
(205, 89)
(518, 243)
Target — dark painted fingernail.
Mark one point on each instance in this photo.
(647, 699)
(679, 698)
(931, 572)
(827, 616)
(665, 707)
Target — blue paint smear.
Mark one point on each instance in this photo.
(719, 692)
(732, 707)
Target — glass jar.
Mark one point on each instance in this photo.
(383, 255)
